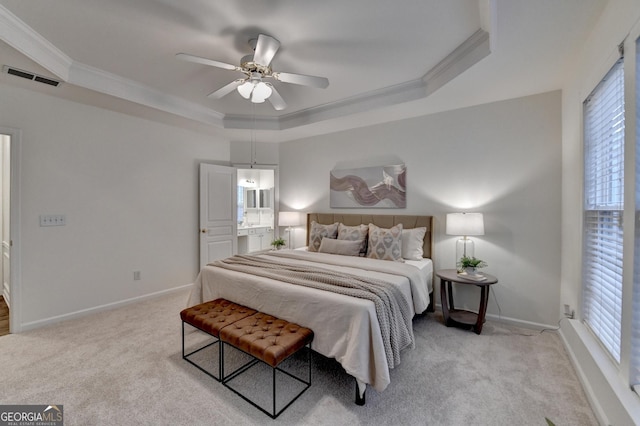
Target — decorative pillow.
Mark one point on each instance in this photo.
(412, 240)
(318, 232)
(354, 233)
(343, 247)
(385, 244)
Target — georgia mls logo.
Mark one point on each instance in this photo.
(31, 415)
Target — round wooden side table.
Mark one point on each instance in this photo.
(461, 317)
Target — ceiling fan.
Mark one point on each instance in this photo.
(256, 68)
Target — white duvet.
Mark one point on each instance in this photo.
(345, 328)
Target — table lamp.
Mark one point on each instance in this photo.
(464, 224)
(289, 219)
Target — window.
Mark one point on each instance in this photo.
(634, 371)
(603, 209)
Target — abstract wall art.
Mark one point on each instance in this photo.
(378, 186)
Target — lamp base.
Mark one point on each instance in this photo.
(290, 231)
(464, 248)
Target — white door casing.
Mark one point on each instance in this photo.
(13, 242)
(6, 216)
(218, 213)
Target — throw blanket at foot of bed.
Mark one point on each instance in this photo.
(392, 309)
(346, 328)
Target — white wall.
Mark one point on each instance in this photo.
(502, 159)
(128, 188)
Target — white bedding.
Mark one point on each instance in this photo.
(345, 328)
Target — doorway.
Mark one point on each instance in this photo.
(9, 228)
(256, 192)
(237, 210)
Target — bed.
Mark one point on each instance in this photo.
(346, 328)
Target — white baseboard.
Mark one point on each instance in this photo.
(515, 321)
(521, 323)
(52, 320)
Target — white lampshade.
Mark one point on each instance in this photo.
(465, 224)
(255, 89)
(245, 89)
(289, 219)
(260, 92)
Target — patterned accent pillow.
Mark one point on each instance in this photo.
(354, 233)
(385, 244)
(318, 232)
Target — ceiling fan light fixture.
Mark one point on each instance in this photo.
(245, 89)
(256, 67)
(260, 93)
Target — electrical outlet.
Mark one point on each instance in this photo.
(568, 312)
(136, 275)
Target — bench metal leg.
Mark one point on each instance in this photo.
(360, 400)
(216, 341)
(273, 414)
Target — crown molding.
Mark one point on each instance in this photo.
(25, 40)
(469, 53)
(83, 75)
(235, 121)
(387, 96)
(28, 42)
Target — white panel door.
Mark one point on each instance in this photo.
(218, 213)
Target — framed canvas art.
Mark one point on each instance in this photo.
(377, 186)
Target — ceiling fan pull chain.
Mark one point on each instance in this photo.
(253, 142)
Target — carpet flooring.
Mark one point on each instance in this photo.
(124, 367)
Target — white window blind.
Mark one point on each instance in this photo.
(604, 205)
(634, 371)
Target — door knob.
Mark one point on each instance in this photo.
(204, 230)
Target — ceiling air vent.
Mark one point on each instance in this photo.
(30, 76)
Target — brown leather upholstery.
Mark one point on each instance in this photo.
(214, 315)
(267, 338)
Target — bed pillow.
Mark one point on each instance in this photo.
(343, 247)
(318, 232)
(354, 233)
(385, 244)
(412, 241)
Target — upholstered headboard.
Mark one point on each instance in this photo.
(383, 221)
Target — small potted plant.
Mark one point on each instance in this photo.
(277, 243)
(470, 265)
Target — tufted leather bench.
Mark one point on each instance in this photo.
(265, 338)
(211, 317)
(269, 340)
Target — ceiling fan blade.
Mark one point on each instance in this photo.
(304, 80)
(266, 48)
(225, 90)
(205, 61)
(276, 100)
